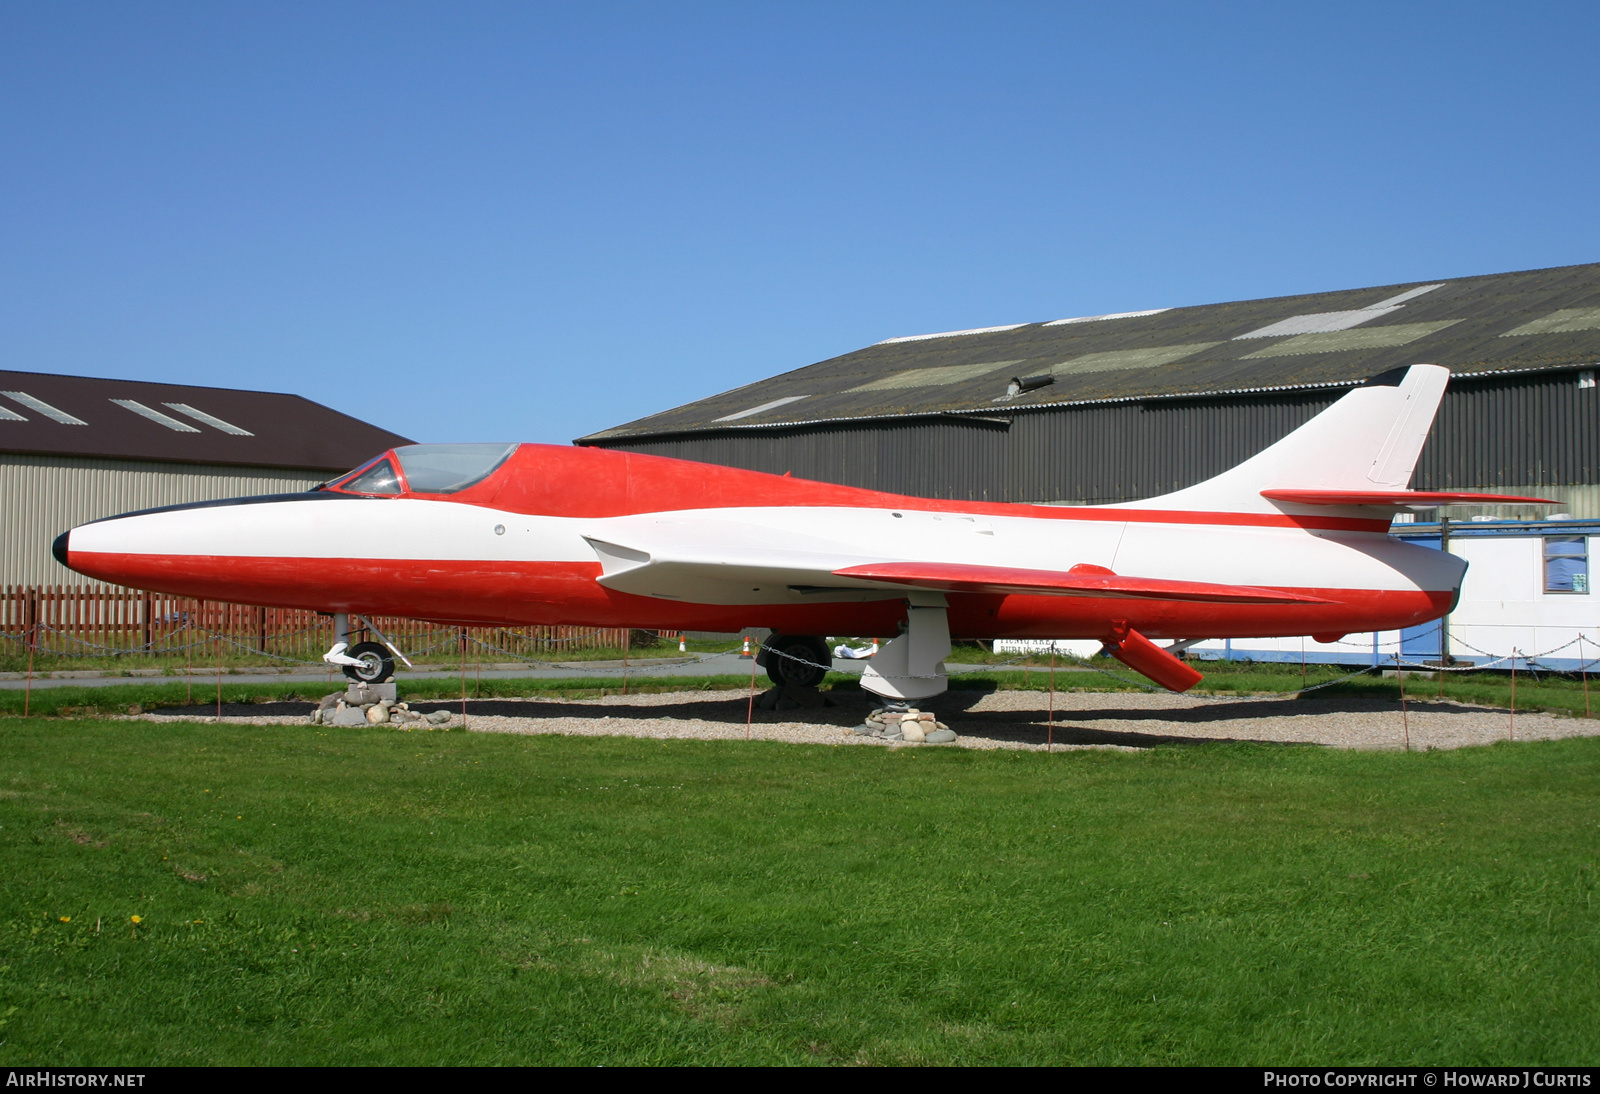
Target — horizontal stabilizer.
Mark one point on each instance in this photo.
(1079, 581)
(1398, 499)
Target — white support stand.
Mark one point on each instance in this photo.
(341, 642)
(912, 665)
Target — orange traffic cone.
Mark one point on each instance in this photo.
(745, 656)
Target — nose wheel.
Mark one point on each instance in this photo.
(373, 663)
(364, 662)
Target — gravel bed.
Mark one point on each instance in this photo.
(1005, 719)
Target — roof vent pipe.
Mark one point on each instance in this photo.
(1022, 384)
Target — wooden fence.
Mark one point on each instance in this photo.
(107, 621)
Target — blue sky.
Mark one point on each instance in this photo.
(529, 222)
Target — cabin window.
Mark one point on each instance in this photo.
(1566, 564)
(447, 468)
(380, 478)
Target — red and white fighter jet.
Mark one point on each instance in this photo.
(1293, 541)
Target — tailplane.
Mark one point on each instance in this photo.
(1368, 441)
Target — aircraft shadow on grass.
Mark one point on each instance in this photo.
(1030, 726)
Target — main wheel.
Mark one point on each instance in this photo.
(798, 659)
(377, 664)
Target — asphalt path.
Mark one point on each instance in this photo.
(722, 664)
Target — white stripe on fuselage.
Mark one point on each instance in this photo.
(414, 529)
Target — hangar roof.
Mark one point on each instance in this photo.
(1535, 320)
(133, 420)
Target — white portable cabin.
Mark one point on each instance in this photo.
(1527, 597)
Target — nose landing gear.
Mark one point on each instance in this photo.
(365, 662)
(373, 663)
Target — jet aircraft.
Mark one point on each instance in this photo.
(1293, 541)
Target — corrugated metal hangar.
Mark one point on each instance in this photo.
(1120, 407)
(1109, 408)
(73, 449)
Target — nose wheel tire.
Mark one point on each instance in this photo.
(787, 669)
(377, 663)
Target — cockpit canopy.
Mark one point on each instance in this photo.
(425, 469)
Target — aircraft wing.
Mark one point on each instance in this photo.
(727, 562)
(1078, 581)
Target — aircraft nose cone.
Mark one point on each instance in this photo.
(59, 548)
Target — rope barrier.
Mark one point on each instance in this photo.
(204, 636)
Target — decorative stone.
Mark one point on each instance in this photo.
(895, 736)
(911, 731)
(439, 717)
(377, 714)
(940, 737)
(862, 730)
(940, 725)
(345, 716)
(362, 694)
(926, 716)
(329, 701)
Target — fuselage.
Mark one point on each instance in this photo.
(515, 549)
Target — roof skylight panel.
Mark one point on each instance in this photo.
(44, 408)
(774, 405)
(9, 415)
(1396, 334)
(209, 419)
(1560, 322)
(155, 416)
(1409, 294)
(1329, 322)
(1103, 318)
(1119, 359)
(937, 376)
(950, 334)
(1318, 323)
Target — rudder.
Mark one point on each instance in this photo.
(1369, 440)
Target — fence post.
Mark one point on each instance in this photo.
(144, 611)
(31, 618)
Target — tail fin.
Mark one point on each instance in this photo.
(1368, 441)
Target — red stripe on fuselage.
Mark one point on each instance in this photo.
(551, 593)
(551, 480)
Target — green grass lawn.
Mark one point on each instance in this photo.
(366, 896)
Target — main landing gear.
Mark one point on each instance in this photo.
(911, 666)
(798, 659)
(365, 662)
(905, 668)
